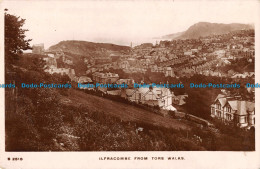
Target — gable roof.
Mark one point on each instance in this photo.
(233, 104)
(241, 107)
(130, 92)
(222, 101)
(220, 96)
(157, 92)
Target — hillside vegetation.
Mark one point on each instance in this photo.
(48, 119)
(87, 48)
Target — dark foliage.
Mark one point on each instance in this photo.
(15, 41)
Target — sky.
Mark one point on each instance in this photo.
(123, 22)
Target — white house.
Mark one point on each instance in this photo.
(233, 110)
(161, 97)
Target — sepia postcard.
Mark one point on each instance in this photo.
(129, 84)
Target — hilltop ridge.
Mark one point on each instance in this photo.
(203, 29)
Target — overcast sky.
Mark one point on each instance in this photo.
(122, 22)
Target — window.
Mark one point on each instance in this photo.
(140, 96)
(218, 106)
(219, 114)
(228, 109)
(212, 110)
(229, 117)
(243, 119)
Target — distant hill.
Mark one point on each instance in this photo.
(203, 29)
(77, 51)
(87, 48)
(170, 36)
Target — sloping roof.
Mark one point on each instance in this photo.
(146, 91)
(114, 92)
(83, 79)
(233, 104)
(130, 92)
(220, 96)
(170, 108)
(157, 92)
(242, 107)
(180, 99)
(120, 81)
(182, 96)
(222, 101)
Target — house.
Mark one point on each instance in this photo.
(212, 73)
(51, 55)
(102, 60)
(105, 77)
(161, 97)
(50, 61)
(186, 72)
(38, 49)
(154, 68)
(179, 100)
(84, 80)
(129, 82)
(67, 61)
(251, 74)
(187, 53)
(168, 72)
(231, 72)
(239, 75)
(114, 92)
(234, 110)
(72, 75)
(132, 61)
(62, 71)
(124, 65)
(194, 51)
(226, 61)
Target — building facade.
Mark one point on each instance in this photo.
(161, 97)
(105, 77)
(234, 110)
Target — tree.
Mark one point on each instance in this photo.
(15, 41)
